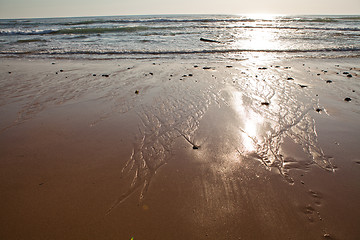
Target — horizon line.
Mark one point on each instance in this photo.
(183, 14)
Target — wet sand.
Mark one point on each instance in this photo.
(180, 150)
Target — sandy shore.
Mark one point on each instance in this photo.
(179, 150)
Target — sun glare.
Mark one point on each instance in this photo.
(250, 123)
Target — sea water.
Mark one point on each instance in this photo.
(178, 36)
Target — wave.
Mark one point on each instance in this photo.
(314, 20)
(157, 20)
(97, 30)
(349, 18)
(214, 20)
(31, 40)
(180, 52)
(181, 19)
(100, 30)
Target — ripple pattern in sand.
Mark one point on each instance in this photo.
(281, 108)
(162, 121)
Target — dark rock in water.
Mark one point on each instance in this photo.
(206, 68)
(184, 75)
(129, 68)
(151, 73)
(196, 66)
(53, 63)
(290, 78)
(209, 40)
(9, 72)
(137, 92)
(105, 75)
(265, 103)
(287, 67)
(349, 75)
(94, 75)
(277, 66)
(347, 99)
(154, 63)
(229, 66)
(337, 65)
(302, 86)
(195, 147)
(328, 81)
(318, 109)
(262, 68)
(61, 70)
(190, 75)
(353, 90)
(345, 73)
(318, 74)
(56, 73)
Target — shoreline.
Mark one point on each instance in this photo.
(112, 156)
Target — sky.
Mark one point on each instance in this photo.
(75, 8)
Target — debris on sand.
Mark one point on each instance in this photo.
(209, 40)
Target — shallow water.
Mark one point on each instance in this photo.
(178, 36)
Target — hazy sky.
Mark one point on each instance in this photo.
(59, 8)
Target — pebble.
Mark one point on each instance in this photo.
(229, 66)
(290, 78)
(327, 236)
(265, 103)
(349, 75)
(105, 75)
(328, 81)
(347, 99)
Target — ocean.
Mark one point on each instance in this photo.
(178, 37)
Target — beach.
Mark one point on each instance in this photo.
(257, 148)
